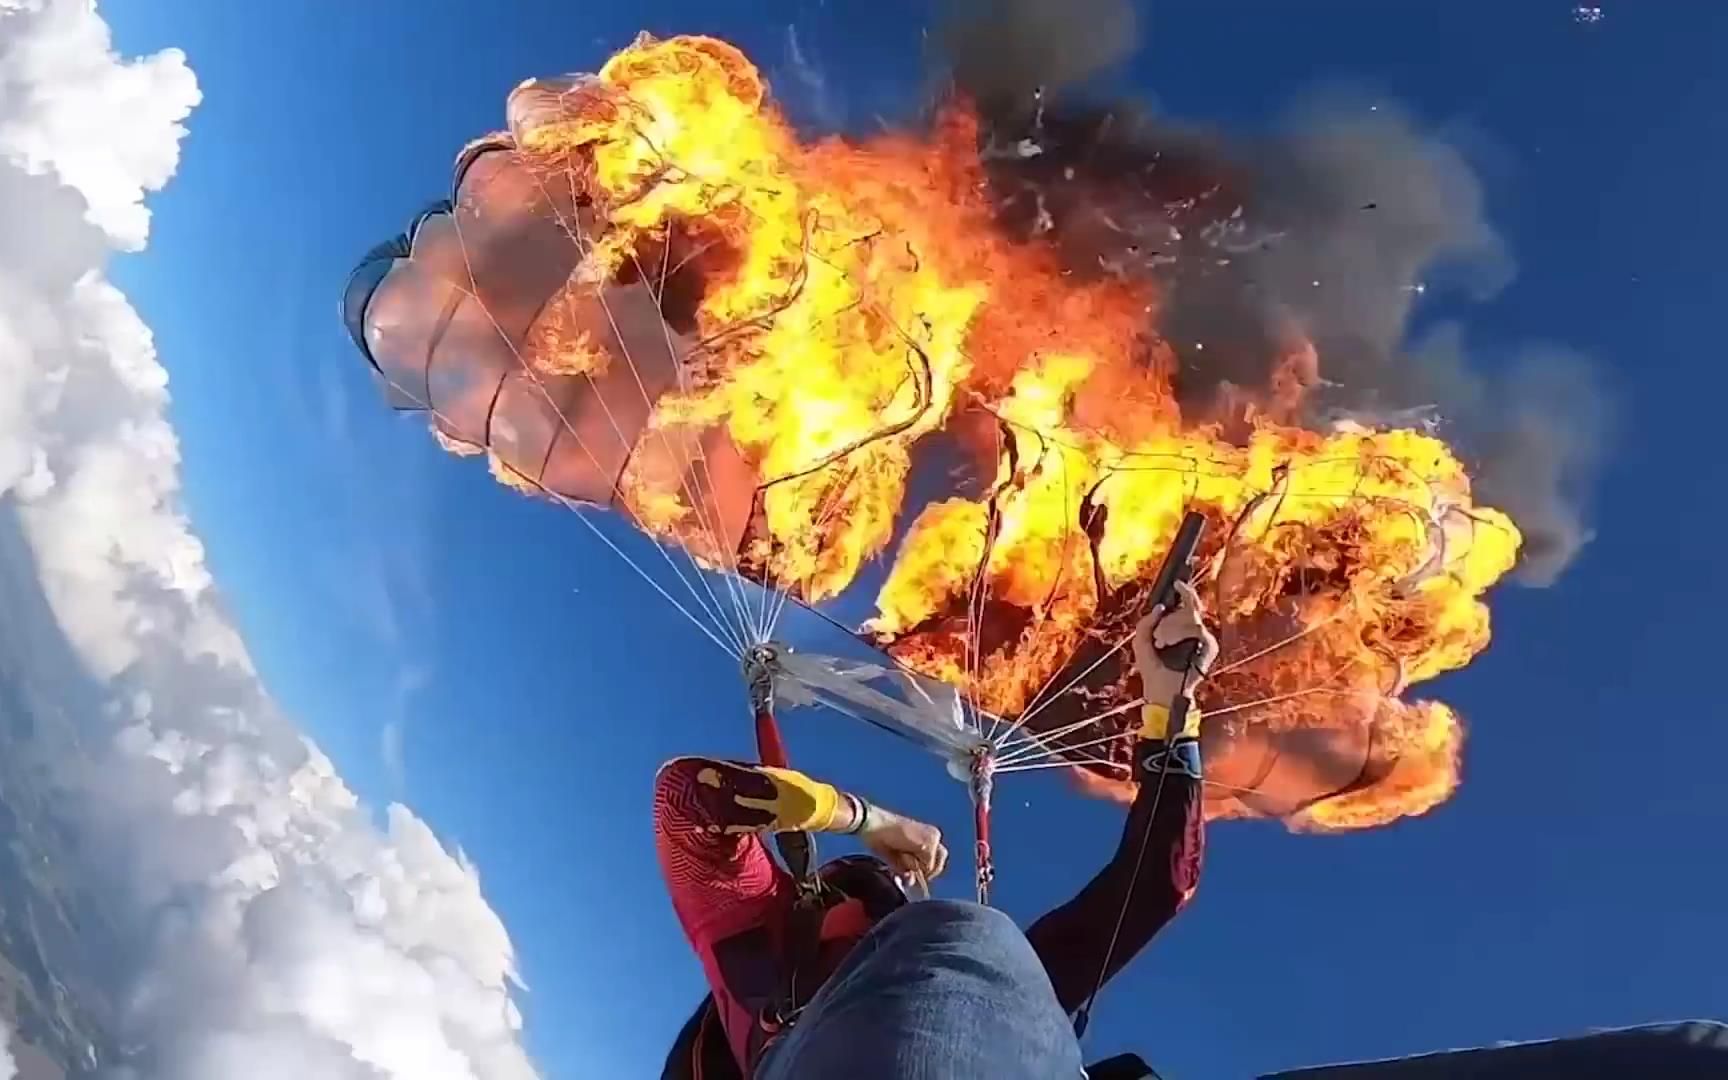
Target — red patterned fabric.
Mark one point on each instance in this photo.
(732, 898)
(1074, 939)
(724, 885)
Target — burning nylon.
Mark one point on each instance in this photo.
(826, 308)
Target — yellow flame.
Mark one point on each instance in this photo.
(866, 300)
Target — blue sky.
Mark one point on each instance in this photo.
(535, 685)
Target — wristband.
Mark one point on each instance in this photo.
(860, 814)
(1183, 758)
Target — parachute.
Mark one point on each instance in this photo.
(791, 364)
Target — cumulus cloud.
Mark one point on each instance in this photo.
(278, 924)
(8, 1067)
(110, 130)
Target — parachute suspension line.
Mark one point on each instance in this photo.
(1017, 726)
(1276, 699)
(1083, 1016)
(969, 691)
(797, 849)
(715, 613)
(981, 772)
(974, 611)
(576, 508)
(1234, 788)
(1045, 744)
(918, 367)
(1087, 745)
(782, 593)
(696, 457)
(1178, 711)
(1040, 702)
(831, 503)
(1064, 763)
(1275, 646)
(982, 785)
(737, 630)
(732, 646)
(1031, 744)
(1041, 705)
(573, 233)
(923, 381)
(899, 666)
(1036, 746)
(1040, 750)
(540, 386)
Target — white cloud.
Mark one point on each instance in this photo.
(109, 129)
(8, 1067)
(281, 926)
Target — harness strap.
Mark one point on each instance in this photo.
(803, 948)
(797, 851)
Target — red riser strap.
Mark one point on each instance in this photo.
(770, 748)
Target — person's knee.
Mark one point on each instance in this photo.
(964, 926)
(932, 975)
(983, 921)
(958, 918)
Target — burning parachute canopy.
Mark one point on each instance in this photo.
(785, 359)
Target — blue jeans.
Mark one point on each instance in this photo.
(939, 990)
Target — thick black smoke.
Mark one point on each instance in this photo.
(1333, 229)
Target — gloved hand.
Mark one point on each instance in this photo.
(1163, 628)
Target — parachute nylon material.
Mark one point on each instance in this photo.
(927, 712)
(952, 723)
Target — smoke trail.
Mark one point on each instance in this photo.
(1331, 232)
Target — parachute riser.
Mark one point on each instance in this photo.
(761, 665)
(982, 785)
(933, 722)
(798, 849)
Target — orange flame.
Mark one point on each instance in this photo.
(856, 298)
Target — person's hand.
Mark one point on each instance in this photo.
(907, 846)
(1161, 629)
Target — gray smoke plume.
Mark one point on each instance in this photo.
(1335, 229)
(1536, 428)
(999, 50)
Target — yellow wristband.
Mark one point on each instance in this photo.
(1155, 722)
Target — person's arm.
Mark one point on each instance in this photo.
(709, 819)
(1087, 940)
